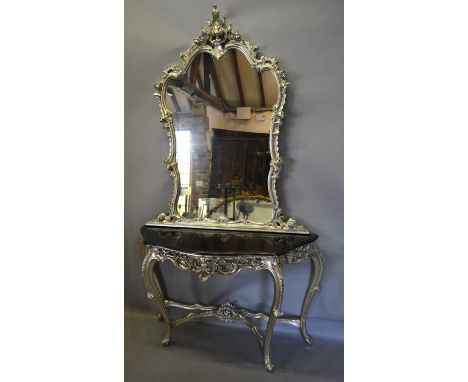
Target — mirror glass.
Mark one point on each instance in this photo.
(222, 114)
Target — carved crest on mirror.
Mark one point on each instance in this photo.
(222, 109)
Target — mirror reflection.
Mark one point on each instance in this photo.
(222, 114)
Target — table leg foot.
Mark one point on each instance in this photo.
(269, 367)
(316, 262)
(307, 338)
(275, 270)
(154, 289)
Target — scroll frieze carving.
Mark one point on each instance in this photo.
(206, 266)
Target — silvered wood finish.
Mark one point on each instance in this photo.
(216, 40)
(204, 266)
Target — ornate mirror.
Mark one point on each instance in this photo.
(222, 109)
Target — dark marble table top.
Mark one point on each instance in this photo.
(224, 243)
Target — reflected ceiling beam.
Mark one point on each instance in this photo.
(190, 103)
(238, 77)
(193, 69)
(214, 76)
(206, 73)
(195, 72)
(260, 86)
(192, 90)
(216, 102)
(199, 80)
(176, 104)
(174, 100)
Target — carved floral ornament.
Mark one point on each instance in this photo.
(206, 266)
(216, 40)
(227, 312)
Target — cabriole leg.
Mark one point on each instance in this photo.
(275, 270)
(316, 263)
(153, 286)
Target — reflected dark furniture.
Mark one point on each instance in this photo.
(209, 252)
(240, 156)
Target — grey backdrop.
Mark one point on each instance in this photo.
(307, 39)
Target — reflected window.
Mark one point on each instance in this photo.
(184, 164)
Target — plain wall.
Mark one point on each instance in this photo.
(307, 39)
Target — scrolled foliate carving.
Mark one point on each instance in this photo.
(216, 39)
(298, 255)
(206, 266)
(222, 220)
(306, 251)
(227, 312)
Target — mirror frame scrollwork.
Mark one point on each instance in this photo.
(216, 40)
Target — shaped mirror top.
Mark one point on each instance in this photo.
(222, 110)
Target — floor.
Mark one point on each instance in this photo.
(203, 351)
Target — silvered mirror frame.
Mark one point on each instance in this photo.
(216, 40)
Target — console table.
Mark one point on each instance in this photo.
(209, 252)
